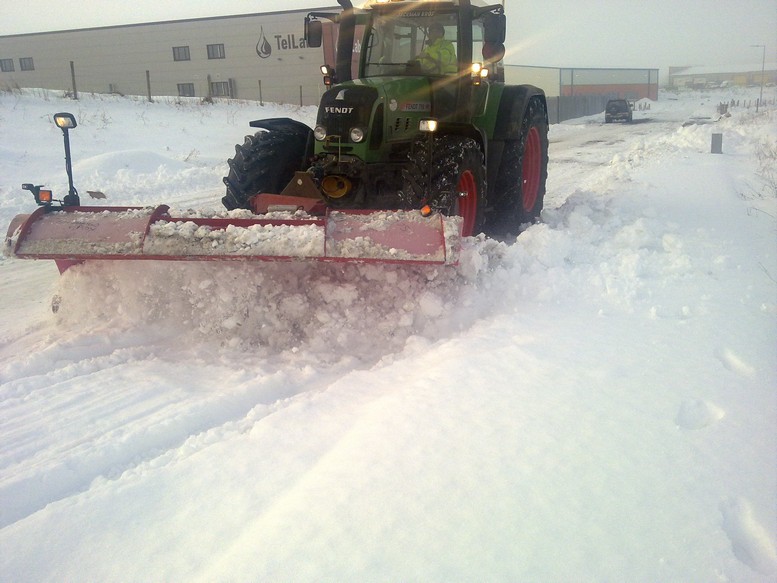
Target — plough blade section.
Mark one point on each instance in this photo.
(386, 236)
(75, 234)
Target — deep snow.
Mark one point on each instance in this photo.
(592, 402)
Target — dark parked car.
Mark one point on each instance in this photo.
(617, 110)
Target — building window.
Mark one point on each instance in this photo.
(216, 51)
(6, 65)
(220, 89)
(181, 54)
(186, 90)
(26, 64)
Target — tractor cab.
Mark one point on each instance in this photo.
(452, 46)
(398, 39)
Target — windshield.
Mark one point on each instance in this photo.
(408, 44)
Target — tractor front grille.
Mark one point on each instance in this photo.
(343, 108)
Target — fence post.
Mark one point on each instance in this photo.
(148, 85)
(73, 79)
(261, 103)
(300, 95)
(717, 144)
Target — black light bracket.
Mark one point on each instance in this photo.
(67, 121)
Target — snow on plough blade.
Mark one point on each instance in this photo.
(74, 234)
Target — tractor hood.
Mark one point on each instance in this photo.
(384, 109)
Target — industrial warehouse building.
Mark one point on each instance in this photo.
(259, 57)
(712, 77)
(253, 56)
(576, 92)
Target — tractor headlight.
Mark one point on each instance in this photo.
(329, 74)
(479, 73)
(319, 133)
(357, 135)
(428, 125)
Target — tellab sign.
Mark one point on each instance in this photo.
(280, 42)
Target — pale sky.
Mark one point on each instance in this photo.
(556, 33)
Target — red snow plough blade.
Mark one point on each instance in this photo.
(74, 234)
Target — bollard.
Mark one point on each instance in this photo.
(717, 143)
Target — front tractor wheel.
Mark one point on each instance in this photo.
(264, 162)
(451, 181)
(466, 202)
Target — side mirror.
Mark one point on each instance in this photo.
(494, 28)
(493, 52)
(314, 32)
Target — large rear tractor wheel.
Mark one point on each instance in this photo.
(520, 185)
(264, 162)
(452, 182)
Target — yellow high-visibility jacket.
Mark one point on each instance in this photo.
(439, 57)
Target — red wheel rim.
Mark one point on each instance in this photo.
(530, 170)
(467, 202)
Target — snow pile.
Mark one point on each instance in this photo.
(190, 239)
(328, 310)
(171, 150)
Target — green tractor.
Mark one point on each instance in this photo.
(417, 143)
(409, 121)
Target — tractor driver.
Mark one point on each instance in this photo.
(439, 56)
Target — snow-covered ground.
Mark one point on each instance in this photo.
(592, 402)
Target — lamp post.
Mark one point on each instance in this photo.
(763, 64)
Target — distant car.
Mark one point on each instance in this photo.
(617, 110)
